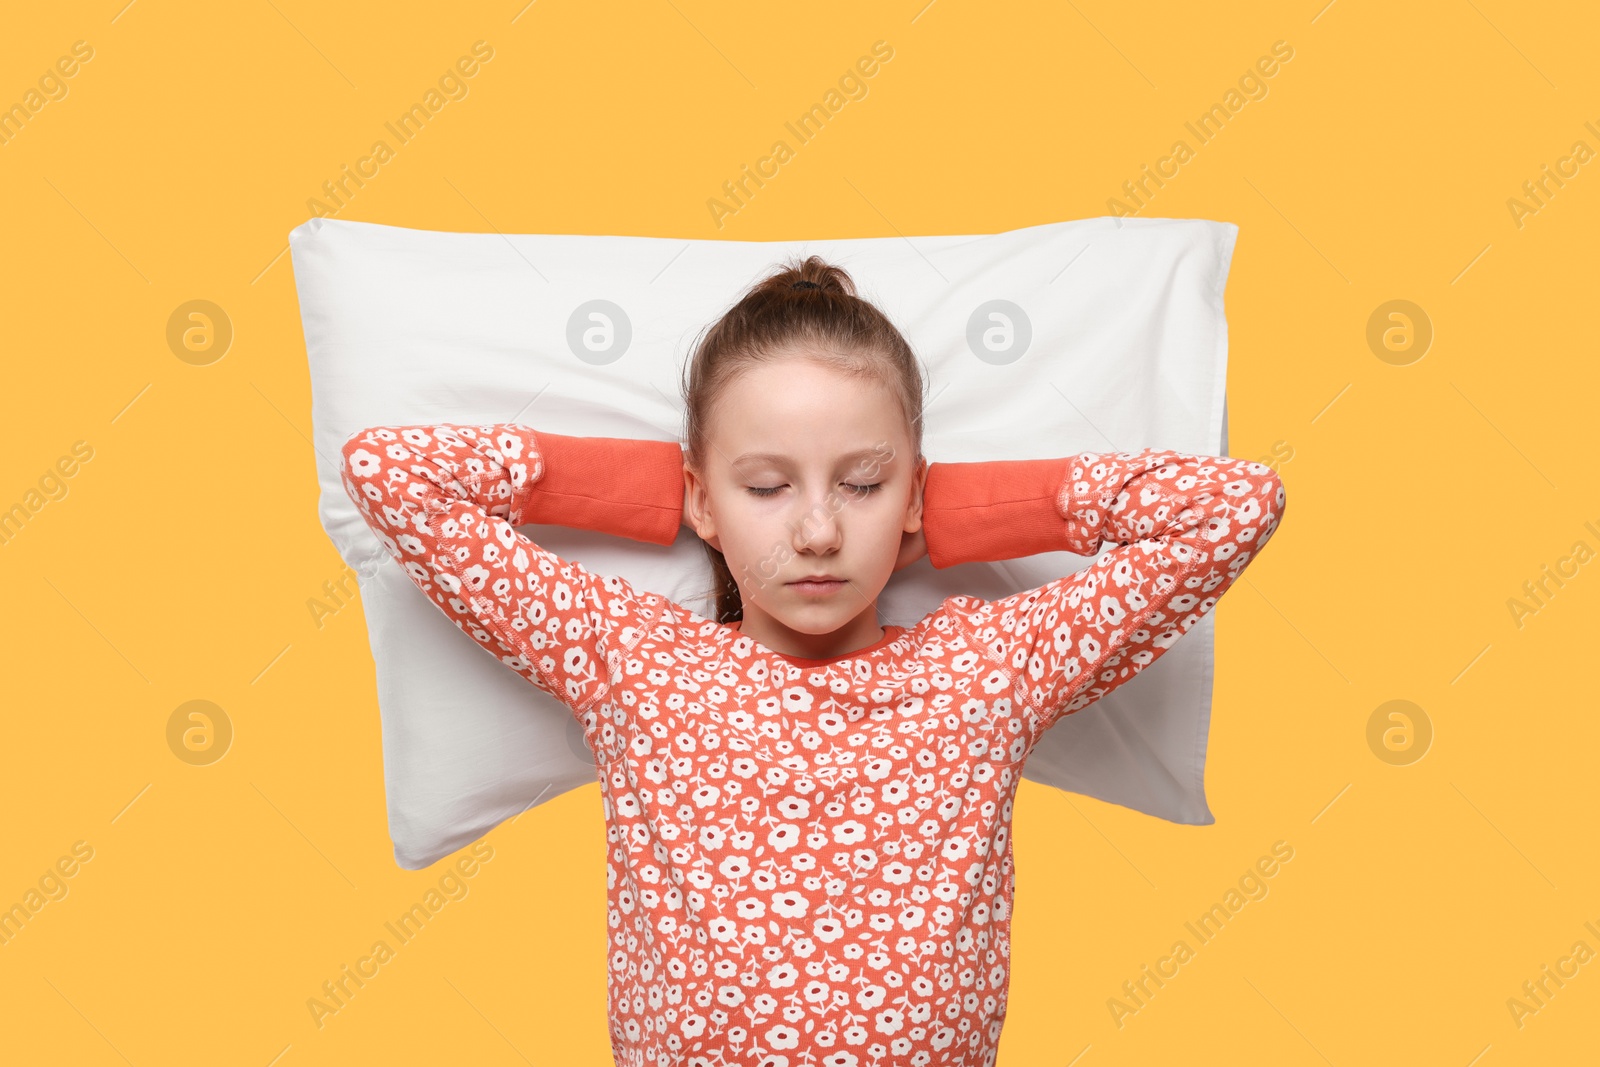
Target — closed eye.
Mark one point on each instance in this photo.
(856, 490)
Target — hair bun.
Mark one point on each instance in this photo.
(812, 274)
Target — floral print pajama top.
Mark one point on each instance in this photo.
(809, 861)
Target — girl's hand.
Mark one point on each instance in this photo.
(913, 546)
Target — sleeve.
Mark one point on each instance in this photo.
(992, 510)
(445, 502)
(1181, 527)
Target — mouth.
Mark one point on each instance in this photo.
(817, 585)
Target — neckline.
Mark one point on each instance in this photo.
(891, 634)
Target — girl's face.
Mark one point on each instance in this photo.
(809, 472)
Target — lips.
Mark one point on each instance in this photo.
(819, 586)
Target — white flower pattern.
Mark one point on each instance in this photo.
(810, 861)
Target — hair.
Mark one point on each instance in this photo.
(805, 309)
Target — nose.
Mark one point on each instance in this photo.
(817, 530)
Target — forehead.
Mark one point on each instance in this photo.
(797, 411)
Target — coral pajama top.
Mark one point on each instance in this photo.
(809, 861)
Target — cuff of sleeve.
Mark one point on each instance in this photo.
(616, 485)
(993, 510)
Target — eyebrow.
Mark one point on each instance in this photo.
(775, 458)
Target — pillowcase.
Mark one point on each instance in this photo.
(1095, 334)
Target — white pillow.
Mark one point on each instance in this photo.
(1091, 335)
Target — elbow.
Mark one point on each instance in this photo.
(1277, 495)
(349, 464)
(1273, 497)
(346, 450)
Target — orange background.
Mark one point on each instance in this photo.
(174, 554)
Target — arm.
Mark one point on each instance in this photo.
(1183, 527)
(992, 510)
(445, 501)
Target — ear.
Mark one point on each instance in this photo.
(697, 508)
(919, 482)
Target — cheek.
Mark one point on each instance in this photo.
(755, 545)
(885, 536)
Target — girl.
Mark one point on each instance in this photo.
(808, 812)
